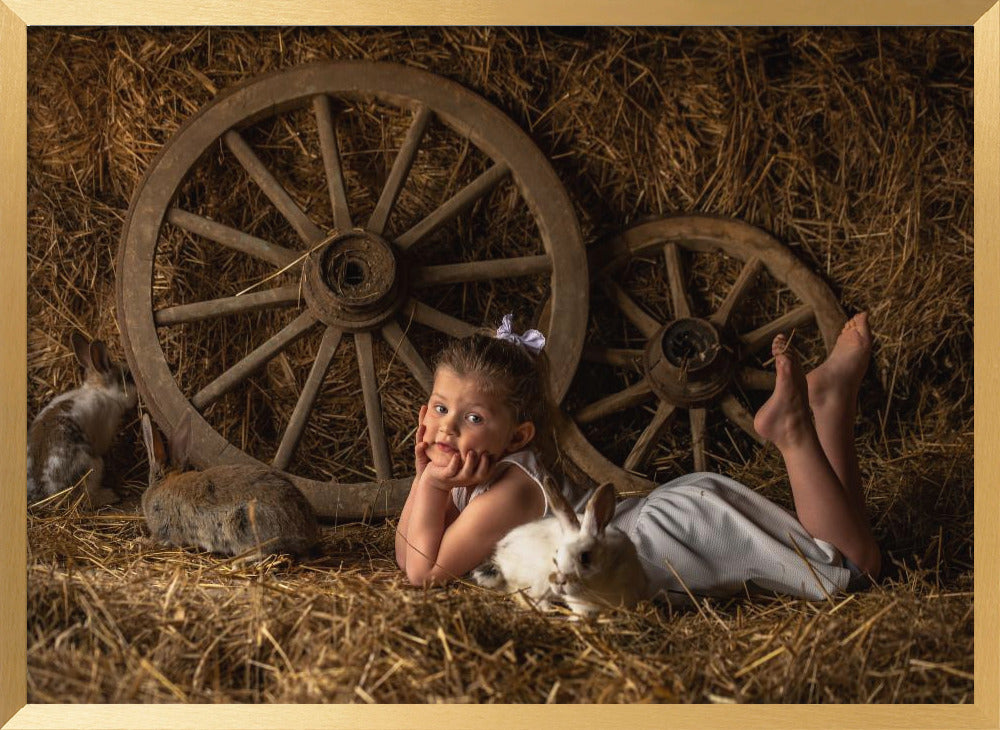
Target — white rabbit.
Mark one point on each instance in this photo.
(522, 562)
(71, 434)
(230, 509)
(595, 566)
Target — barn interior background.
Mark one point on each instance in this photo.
(854, 147)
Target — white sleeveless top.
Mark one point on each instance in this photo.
(529, 462)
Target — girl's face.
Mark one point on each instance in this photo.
(462, 417)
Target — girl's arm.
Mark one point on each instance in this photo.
(420, 463)
(438, 551)
(404, 522)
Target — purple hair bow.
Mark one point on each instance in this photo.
(532, 340)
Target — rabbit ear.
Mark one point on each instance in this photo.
(99, 357)
(155, 451)
(180, 442)
(81, 346)
(600, 510)
(562, 509)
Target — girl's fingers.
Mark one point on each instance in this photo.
(464, 460)
(471, 464)
(421, 428)
(485, 464)
(420, 460)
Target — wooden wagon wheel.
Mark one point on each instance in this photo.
(353, 282)
(690, 360)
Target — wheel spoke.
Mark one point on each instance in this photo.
(438, 320)
(637, 458)
(307, 398)
(373, 405)
(675, 279)
(331, 161)
(755, 379)
(630, 396)
(273, 189)
(699, 422)
(482, 270)
(400, 169)
(611, 356)
(402, 346)
(745, 280)
(457, 203)
(285, 296)
(762, 336)
(245, 367)
(738, 414)
(231, 237)
(632, 311)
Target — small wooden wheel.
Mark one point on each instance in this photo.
(355, 269)
(670, 346)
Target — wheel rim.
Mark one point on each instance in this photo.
(357, 282)
(691, 360)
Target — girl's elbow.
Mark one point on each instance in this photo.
(423, 578)
(415, 574)
(417, 578)
(401, 555)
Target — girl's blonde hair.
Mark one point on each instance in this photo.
(507, 371)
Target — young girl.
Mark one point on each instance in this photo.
(487, 404)
(702, 533)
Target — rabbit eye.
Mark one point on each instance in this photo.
(585, 558)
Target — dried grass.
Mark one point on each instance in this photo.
(853, 146)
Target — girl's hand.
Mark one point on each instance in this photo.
(460, 471)
(420, 458)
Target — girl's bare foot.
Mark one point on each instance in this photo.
(838, 379)
(785, 419)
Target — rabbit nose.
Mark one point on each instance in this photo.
(556, 581)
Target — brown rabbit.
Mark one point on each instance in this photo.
(231, 509)
(71, 434)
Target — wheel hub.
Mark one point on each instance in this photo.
(688, 363)
(354, 282)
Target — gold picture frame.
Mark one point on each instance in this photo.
(16, 15)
